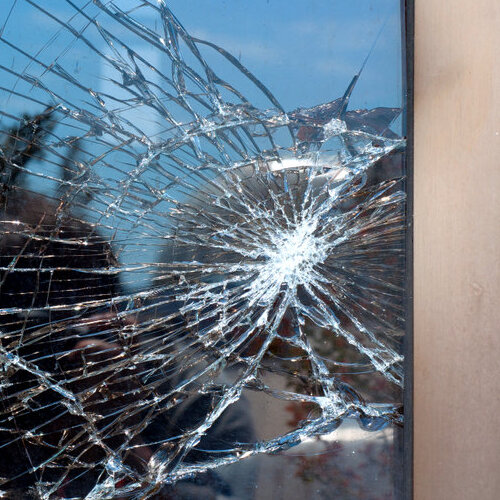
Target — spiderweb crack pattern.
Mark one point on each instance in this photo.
(182, 243)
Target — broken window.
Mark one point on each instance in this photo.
(203, 232)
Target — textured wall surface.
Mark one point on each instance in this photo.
(457, 257)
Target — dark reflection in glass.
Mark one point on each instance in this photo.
(203, 235)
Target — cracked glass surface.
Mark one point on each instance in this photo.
(200, 284)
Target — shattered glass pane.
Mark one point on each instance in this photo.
(202, 267)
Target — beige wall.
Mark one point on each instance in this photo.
(457, 250)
